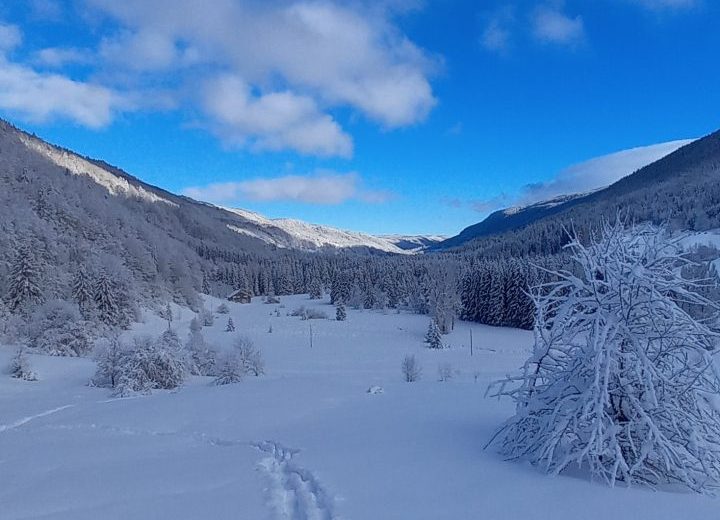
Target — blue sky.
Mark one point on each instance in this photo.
(384, 117)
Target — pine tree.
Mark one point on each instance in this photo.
(106, 300)
(340, 312)
(82, 290)
(230, 325)
(24, 288)
(316, 291)
(433, 337)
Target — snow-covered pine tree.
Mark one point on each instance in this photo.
(340, 312)
(82, 291)
(24, 289)
(622, 380)
(230, 325)
(315, 289)
(433, 337)
(106, 300)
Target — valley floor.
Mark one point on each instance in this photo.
(305, 441)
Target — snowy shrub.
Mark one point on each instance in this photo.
(316, 314)
(230, 369)
(145, 365)
(445, 372)
(249, 356)
(109, 355)
(202, 356)
(622, 380)
(207, 317)
(270, 299)
(195, 325)
(20, 367)
(230, 327)
(299, 312)
(57, 328)
(411, 369)
(223, 309)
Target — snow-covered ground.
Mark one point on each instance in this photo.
(305, 441)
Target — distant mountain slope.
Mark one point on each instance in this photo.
(512, 218)
(296, 234)
(414, 243)
(239, 228)
(617, 165)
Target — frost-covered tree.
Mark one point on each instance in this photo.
(315, 289)
(105, 296)
(230, 325)
(622, 380)
(249, 355)
(58, 329)
(230, 369)
(82, 291)
(24, 289)
(20, 366)
(340, 312)
(223, 309)
(207, 317)
(433, 337)
(202, 356)
(110, 355)
(411, 368)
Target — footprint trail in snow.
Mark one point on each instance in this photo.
(295, 493)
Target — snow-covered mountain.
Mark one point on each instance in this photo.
(233, 228)
(595, 176)
(296, 234)
(679, 189)
(414, 243)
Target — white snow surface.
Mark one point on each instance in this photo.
(309, 236)
(305, 441)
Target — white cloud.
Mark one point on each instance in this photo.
(39, 97)
(495, 37)
(145, 50)
(10, 37)
(339, 54)
(585, 176)
(551, 25)
(319, 188)
(272, 121)
(58, 57)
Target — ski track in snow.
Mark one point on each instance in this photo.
(25, 420)
(295, 493)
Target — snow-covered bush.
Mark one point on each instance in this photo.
(230, 327)
(145, 365)
(202, 356)
(57, 328)
(223, 309)
(340, 312)
(20, 367)
(207, 318)
(445, 372)
(230, 369)
(411, 368)
(622, 380)
(249, 356)
(244, 358)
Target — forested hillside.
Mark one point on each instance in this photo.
(680, 190)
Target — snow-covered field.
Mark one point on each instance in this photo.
(305, 441)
